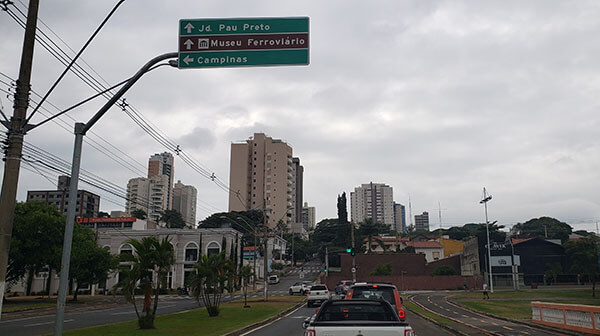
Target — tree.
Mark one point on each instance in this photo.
(554, 270)
(342, 208)
(368, 229)
(172, 219)
(90, 263)
(582, 255)
(210, 281)
(150, 255)
(385, 269)
(139, 214)
(542, 227)
(246, 274)
(445, 270)
(36, 242)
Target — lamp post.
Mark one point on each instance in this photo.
(487, 198)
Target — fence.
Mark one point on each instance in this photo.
(580, 318)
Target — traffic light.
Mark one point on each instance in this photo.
(325, 270)
(348, 250)
(353, 252)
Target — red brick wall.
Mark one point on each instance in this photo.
(414, 282)
(453, 261)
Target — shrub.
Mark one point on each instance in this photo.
(445, 270)
(385, 269)
(277, 266)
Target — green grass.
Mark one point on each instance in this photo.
(24, 307)
(534, 293)
(196, 322)
(517, 304)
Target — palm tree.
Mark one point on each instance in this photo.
(213, 274)
(150, 255)
(245, 275)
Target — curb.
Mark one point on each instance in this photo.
(264, 322)
(529, 324)
(457, 332)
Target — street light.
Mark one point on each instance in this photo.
(487, 198)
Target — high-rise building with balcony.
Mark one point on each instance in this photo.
(88, 204)
(399, 218)
(163, 164)
(262, 176)
(308, 216)
(374, 201)
(148, 194)
(297, 197)
(422, 222)
(184, 201)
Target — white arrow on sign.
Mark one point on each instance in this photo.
(189, 27)
(188, 44)
(187, 60)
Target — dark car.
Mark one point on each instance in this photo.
(342, 286)
(374, 291)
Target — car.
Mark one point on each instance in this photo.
(346, 317)
(317, 293)
(300, 287)
(273, 279)
(342, 286)
(378, 290)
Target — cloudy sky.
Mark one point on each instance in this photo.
(434, 98)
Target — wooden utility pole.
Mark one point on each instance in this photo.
(17, 127)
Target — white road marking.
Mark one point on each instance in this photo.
(44, 323)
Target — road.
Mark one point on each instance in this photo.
(44, 324)
(291, 325)
(473, 323)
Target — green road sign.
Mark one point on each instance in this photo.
(209, 43)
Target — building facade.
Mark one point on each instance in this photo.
(88, 204)
(262, 176)
(374, 201)
(309, 214)
(163, 164)
(399, 218)
(148, 194)
(184, 201)
(422, 221)
(298, 190)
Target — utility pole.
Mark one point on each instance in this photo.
(266, 254)
(254, 270)
(326, 263)
(353, 252)
(17, 127)
(487, 198)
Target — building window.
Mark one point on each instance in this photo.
(436, 255)
(213, 248)
(126, 249)
(191, 252)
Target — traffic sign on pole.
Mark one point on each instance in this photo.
(209, 43)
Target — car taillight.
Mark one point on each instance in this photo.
(326, 292)
(401, 315)
(313, 333)
(407, 332)
(308, 293)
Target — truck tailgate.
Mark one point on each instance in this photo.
(360, 330)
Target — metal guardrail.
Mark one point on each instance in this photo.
(581, 318)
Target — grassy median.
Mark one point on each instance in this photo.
(517, 304)
(233, 316)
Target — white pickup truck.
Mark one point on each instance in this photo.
(356, 317)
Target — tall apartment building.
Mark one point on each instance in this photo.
(163, 164)
(375, 201)
(308, 216)
(262, 176)
(148, 194)
(298, 191)
(399, 218)
(422, 221)
(88, 204)
(184, 201)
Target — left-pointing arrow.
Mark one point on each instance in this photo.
(188, 44)
(187, 60)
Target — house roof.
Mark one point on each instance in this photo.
(424, 244)
(517, 241)
(388, 239)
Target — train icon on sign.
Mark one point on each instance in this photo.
(203, 43)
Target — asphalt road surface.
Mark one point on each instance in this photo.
(474, 323)
(44, 324)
